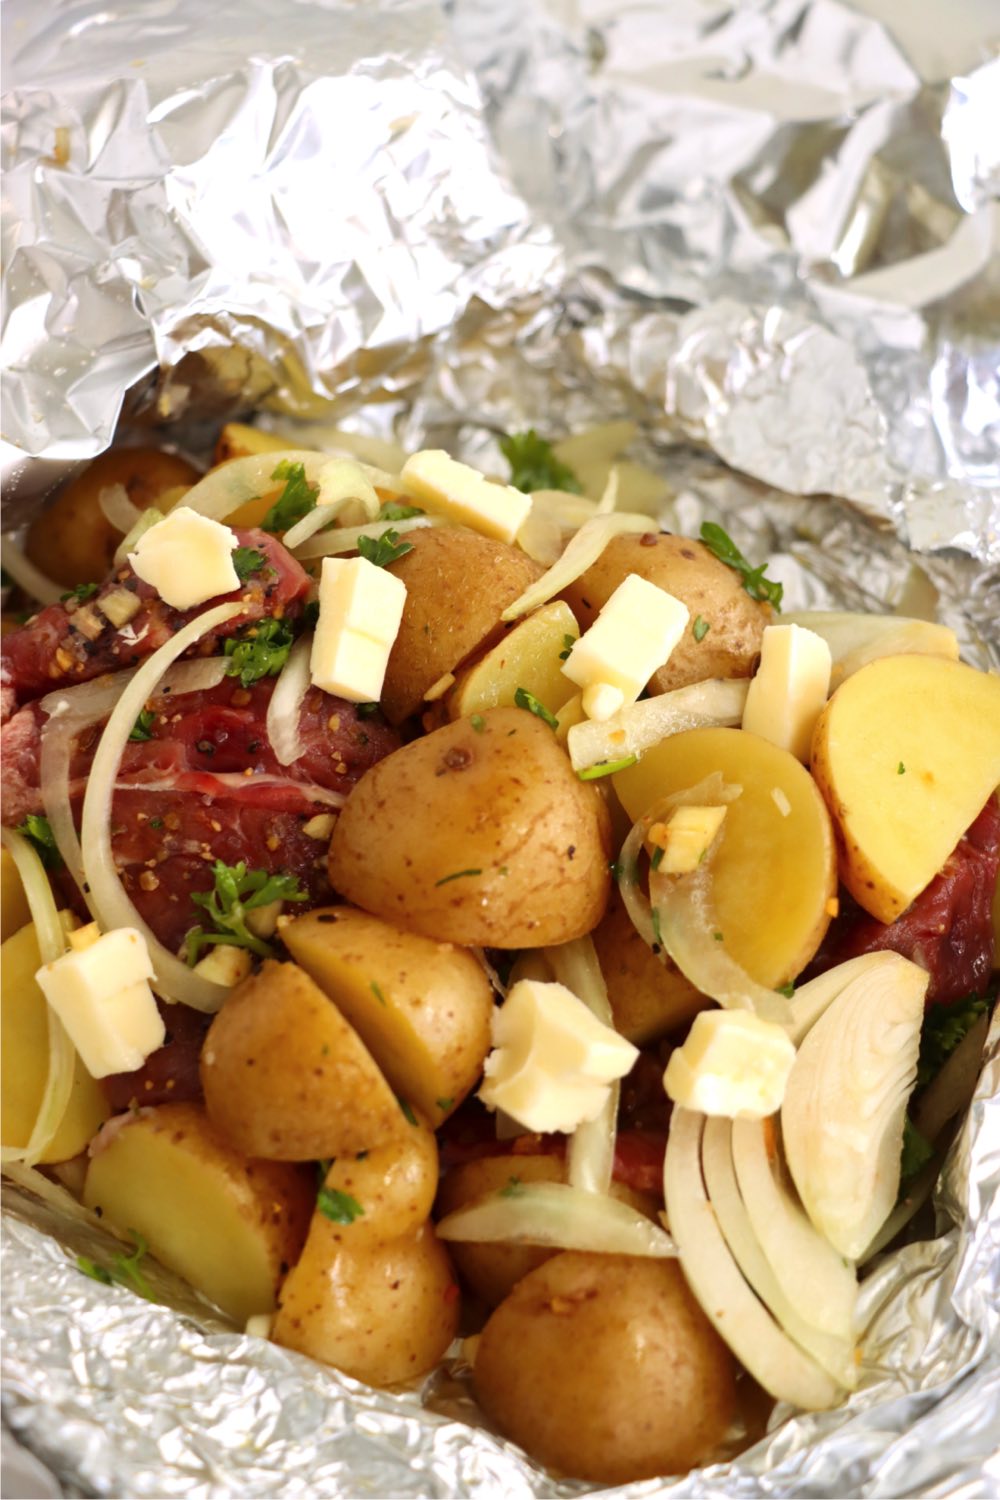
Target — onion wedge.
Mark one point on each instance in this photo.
(23, 571)
(635, 729)
(341, 482)
(552, 1213)
(770, 1356)
(117, 508)
(581, 553)
(231, 485)
(285, 707)
(591, 1154)
(345, 538)
(172, 978)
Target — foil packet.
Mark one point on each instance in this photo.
(766, 234)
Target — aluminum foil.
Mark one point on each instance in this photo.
(768, 234)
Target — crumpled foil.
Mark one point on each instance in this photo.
(767, 233)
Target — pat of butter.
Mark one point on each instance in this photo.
(187, 558)
(463, 495)
(554, 1061)
(787, 695)
(686, 837)
(360, 609)
(601, 701)
(732, 1063)
(101, 995)
(634, 633)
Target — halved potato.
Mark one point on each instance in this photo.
(774, 874)
(530, 656)
(906, 753)
(393, 1186)
(228, 1225)
(422, 1008)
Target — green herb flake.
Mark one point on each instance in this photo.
(700, 628)
(513, 1189)
(366, 710)
(124, 1269)
(569, 641)
(524, 699)
(142, 729)
(717, 936)
(606, 768)
(156, 822)
(657, 930)
(377, 992)
(478, 723)
(383, 550)
(37, 829)
(391, 510)
(338, 1207)
(617, 869)
(296, 500)
(82, 592)
(534, 466)
(407, 1109)
(236, 892)
(900, 769)
(93, 1270)
(456, 875)
(917, 1152)
(722, 546)
(260, 650)
(944, 1028)
(788, 990)
(247, 561)
(657, 858)
(444, 1105)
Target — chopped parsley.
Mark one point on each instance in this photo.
(606, 768)
(82, 592)
(534, 466)
(900, 769)
(725, 549)
(259, 650)
(237, 892)
(124, 1268)
(456, 875)
(717, 936)
(383, 550)
(296, 500)
(657, 858)
(407, 1109)
(377, 992)
(338, 1207)
(700, 628)
(569, 641)
(444, 1105)
(478, 723)
(391, 510)
(917, 1152)
(142, 729)
(156, 822)
(366, 710)
(247, 561)
(788, 990)
(38, 831)
(657, 931)
(945, 1026)
(524, 699)
(514, 1188)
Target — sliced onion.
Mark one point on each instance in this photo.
(173, 979)
(590, 1158)
(541, 538)
(225, 489)
(346, 538)
(609, 499)
(857, 639)
(581, 553)
(117, 508)
(145, 521)
(566, 510)
(770, 1356)
(552, 1213)
(285, 708)
(835, 1355)
(635, 729)
(812, 1000)
(24, 572)
(341, 482)
(820, 1285)
(51, 938)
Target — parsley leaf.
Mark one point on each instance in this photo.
(296, 500)
(38, 831)
(124, 1268)
(259, 650)
(945, 1026)
(237, 892)
(338, 1207)
(246, 561)
(391, 510)
(700, 628)
(524, 699)
(569, 641)
(384, 549)
(81, 592)
(725, 549)
(143, 726)
(916, 1153)
(534, 466)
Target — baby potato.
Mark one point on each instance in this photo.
(71, 540)
(384, 1312)
(229, 1226)
(393, 1185)
(688, 570)
(287, 1079)
(480, 833)
(605, 1368)
(458, 584)
(423, 1009)
(530, 656)
(648, 997)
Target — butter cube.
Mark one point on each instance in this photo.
(686, 837)
(463, 495)
(601, 701)
(101, 994)
(787, 695)
(187, 558)
(634, 634)
(553, 1061)
(732, 1063)
(360, 609)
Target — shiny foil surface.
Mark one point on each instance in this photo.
(767, 233)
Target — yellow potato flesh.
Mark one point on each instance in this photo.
(15, 912)
(25, 1060)
(772, 875)
(939, 721)
(529, 658)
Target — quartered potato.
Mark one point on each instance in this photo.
(530, 656)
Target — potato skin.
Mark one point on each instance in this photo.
(394, 1184)
(481, 837)
(71, 541)
(458, 584)
(689, 571)
(648, 997)
(605, 1368)
(287, 1079)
